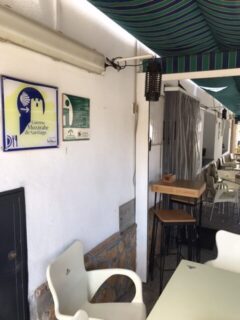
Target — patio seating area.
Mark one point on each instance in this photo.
(120, 159)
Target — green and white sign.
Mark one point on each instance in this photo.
(76, 118)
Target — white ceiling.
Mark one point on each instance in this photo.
(39, 10)
(77, 19)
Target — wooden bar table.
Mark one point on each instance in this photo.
(185, 188)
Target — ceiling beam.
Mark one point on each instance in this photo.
(202, 74)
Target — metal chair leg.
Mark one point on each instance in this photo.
(179, 245)
(212, 212)
(162, 258)
(189, 229)
(153, 245)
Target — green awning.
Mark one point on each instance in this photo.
(178, 27)
(190, 35)
(201, 62)
(229, 90)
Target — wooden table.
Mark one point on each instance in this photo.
(199, 292)
(185, 188)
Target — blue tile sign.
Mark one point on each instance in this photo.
(30, 115)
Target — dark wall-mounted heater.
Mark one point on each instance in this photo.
(153, 80)
(224, 114)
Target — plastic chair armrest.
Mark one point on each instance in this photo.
(210, 262)
(79, 315)
(97, 277)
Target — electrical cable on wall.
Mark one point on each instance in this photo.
(114, 63)
(153, 78)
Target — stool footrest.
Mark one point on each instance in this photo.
(174, 216)
(184, 200)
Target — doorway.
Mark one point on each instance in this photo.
(13, 256)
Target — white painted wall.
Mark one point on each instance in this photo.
(218, 139)
(227, 135)
(73, 191)
(155, 154)
(142, 177)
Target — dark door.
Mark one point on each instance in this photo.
(13, 256)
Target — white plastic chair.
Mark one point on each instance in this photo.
(224, 196)
(72, 287)
(228, 164)
(228, 245)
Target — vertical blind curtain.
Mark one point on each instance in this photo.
(181, 153)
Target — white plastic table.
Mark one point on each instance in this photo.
(199, 292)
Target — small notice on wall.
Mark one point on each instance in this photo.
(29, 115)
(76, 118)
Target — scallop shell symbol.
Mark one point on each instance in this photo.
(25, 99)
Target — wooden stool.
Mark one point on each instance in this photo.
(168, 218)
